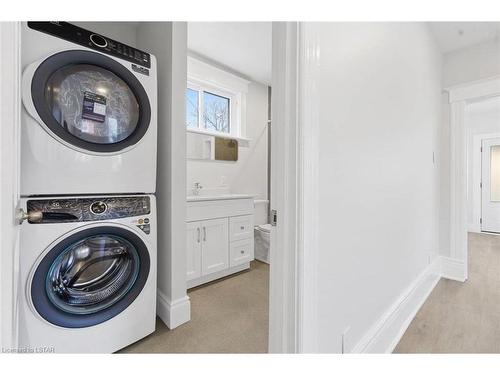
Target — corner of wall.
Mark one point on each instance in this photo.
(173, 313)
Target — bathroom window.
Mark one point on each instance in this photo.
(208, 111)
(215, 100)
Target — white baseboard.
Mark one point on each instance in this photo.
(173, 313)
(473, 227)
(217, 275)
(453, 269)
(388, 330)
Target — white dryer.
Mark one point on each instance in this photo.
(88, 273)
(89, 120)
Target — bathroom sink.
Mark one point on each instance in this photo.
(195, 198)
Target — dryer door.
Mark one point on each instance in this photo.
(90, 277)
(90, 101)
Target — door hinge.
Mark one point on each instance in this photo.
(481, 185)
(481, 148)
(274, 217)
(480, 220)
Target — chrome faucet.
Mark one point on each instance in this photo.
(197, 188)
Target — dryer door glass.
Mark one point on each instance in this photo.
(92, 274)
(92, 103)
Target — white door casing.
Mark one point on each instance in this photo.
(474, 173)
(10, 101)
(490, 185)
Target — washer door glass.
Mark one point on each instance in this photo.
(92, 274)
(92, 103)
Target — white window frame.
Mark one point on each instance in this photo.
(202, 76)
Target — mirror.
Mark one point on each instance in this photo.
(210, 147)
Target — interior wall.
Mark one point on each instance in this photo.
(168, 42)
(248, 175)
(481, 120)
(379, 96)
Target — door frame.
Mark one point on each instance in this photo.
(486, 180)
(476, 200)
(10, 120)
(294, 182)
(459, 97)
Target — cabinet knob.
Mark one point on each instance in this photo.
(242, 228)
(243, 251)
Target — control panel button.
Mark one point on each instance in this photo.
(98, 40)
(98, 207)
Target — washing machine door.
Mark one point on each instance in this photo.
(89, 101)
(90, 276)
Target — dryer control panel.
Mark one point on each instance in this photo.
(95, 41)
(88, 209)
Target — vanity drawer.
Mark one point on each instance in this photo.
(240, 252)
(240, 227)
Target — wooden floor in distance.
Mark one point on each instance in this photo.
(227, 316)
(462, 317)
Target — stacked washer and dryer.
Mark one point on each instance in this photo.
(88, 178)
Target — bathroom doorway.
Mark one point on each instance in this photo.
(227, 180)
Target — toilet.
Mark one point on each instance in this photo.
(262, 231)
(262, 242)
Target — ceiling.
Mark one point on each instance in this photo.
(244, 47)
(455, 35)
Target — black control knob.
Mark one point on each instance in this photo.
(98, 40)
(98, 207)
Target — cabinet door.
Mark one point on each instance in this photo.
(193, 250)
(215, 246)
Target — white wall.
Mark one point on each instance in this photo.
(168, 42)
(471, 63)
(248, 175)
(10, 120)
(379, 123)
(482, 120)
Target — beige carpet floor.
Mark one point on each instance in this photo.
(462, 317)
(227, 316)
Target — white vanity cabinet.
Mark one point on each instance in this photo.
(219, 237)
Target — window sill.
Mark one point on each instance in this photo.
(218, 134)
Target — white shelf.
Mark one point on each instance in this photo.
(216, 134)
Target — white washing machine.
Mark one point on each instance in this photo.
(88, 273)
(89, 120)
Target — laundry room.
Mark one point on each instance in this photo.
(145, 187)
(189, 186)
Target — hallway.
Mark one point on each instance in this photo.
(462, 317)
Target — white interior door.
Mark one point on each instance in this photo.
(490, 185)
(193, 250)
(215, 245)
(10, 102)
